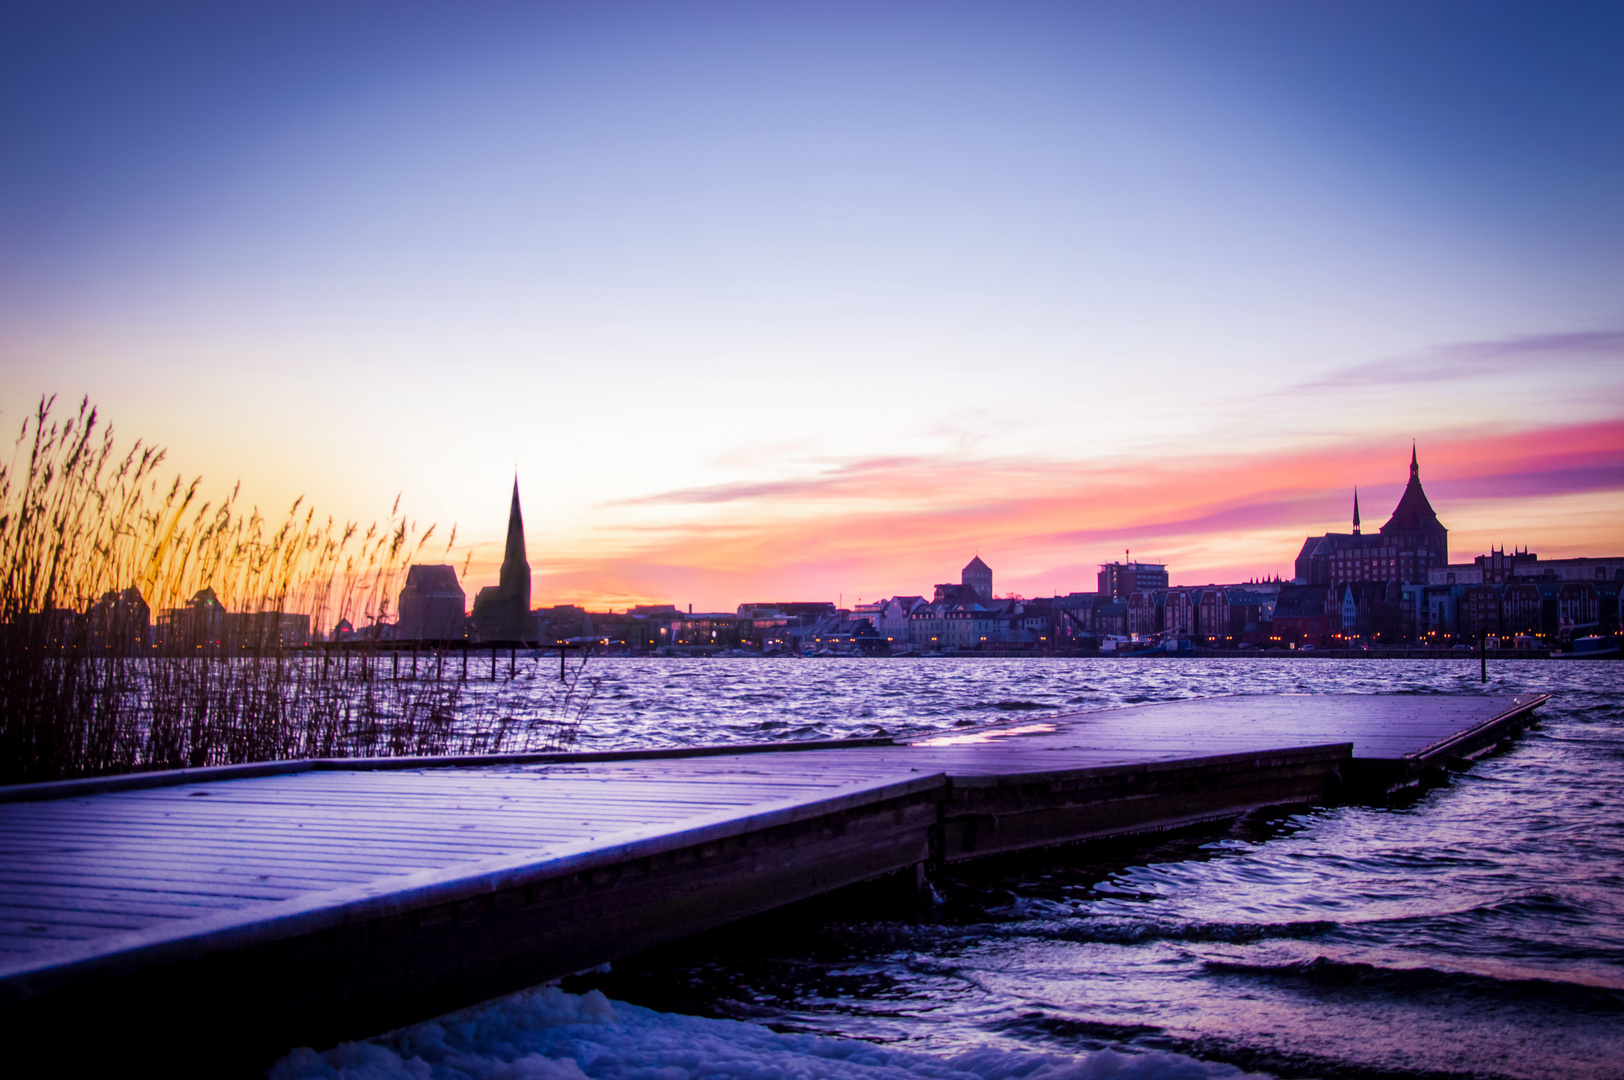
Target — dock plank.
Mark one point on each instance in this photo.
(99, 891)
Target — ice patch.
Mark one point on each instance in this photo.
(547, 1034)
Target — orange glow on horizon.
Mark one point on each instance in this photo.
(895, 526)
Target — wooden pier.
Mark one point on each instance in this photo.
(302, 903)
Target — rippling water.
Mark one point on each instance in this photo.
(1474, 930)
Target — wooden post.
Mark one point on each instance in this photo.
(560, 661)
(394, 665)
(465, 661)
(513, 661)
(1483, 652)
(493, 663)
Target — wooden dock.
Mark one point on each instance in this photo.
(299, 903)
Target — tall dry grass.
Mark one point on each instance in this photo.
(82, 524)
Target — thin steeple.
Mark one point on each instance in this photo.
(515, 576)
(1415, 468)
(1356, 510)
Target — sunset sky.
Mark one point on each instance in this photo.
(798, 301)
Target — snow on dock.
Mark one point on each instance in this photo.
(317, 901)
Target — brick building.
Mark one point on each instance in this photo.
(1405, 549)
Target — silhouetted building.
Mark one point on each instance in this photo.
(502, 611)
(561, 622)
(431, 605)
(1407, 549)
(1118, 580)
(201, 624)
(1300, 617)
(204, 625)
(978, 576)
(119, 622)
(950, 593)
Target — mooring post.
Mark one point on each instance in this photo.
(1483, 652)
(465, 661)
(513, 661)
(394, 665)
(560, 661)
(493, 663)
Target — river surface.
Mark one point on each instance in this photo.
(1475, 929)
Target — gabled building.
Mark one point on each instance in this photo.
(119, 623)
(1406, 549)
(1300, 615)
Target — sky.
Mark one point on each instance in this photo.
(817, 301)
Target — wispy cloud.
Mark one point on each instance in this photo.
(834, 477)
(898, 524)
(1473, 360)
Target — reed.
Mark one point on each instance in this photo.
(92, 541)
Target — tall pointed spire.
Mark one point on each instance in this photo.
(515, 576)
(1415, 468)
(1356, 510)
(502, 611)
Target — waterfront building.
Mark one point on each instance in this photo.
(1072, 616)
(1180, 609)
(1500, 567)
(199, 624)
(977, 575)
(1212, 615)
(432, 605)
(562, 622)
(1478, 609)
(1408, 547)
(204, 624)
(1033, 621)
(1580, 569)
(1251, 613)
(1533, 608)
(845, 632)
(1300, 615)
(892, 617)
(1145, 611)
(1110, 619)
(1119, 579)
(119, 622)
(705, 630)
(502, 611)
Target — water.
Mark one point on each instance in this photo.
(1474, 930)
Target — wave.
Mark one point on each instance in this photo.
(547, 1034)
(1013, 705)
(1515, 986)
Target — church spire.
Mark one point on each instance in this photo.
(515, 576)
(1415, 469)
(1356, 510)
(502, 611)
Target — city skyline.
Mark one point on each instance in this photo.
(813, 300)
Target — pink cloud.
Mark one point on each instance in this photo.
(901, 524)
